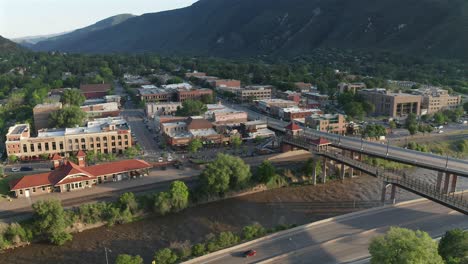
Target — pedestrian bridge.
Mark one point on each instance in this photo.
(444, 195)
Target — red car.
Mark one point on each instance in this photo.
(250, 253)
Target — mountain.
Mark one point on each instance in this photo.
(61, 40)
(30, 41)
(286, 27)
(7, 45)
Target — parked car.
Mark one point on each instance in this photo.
(26, 169)
(250, 253)
(15, 169)
(169, 158)
(160, 159)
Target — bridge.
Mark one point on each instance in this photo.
(444, 195)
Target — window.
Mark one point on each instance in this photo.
(21, 191)
(34, 189)
(61, 145)
(47, 146)
(82, 140)
(113, 137)
(43, 188)
(32, 147)
(70, 141)
(104, 138)
(87, 182)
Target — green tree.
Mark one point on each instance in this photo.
(70, 116)
(199, 249)
(50, 221)
(165, 256)
(128, 201)
(266, 171)
(131, 152)
(309, 166)
(413, 129)
(465, 106)
(128, 259)
(439, 118)
(374, 131)
(404, 246)
(392, 124)
(453, 246)
(162, 203)
(224, 173)
(411, 120)
(175, 80)
(195, 145)
(16, 234)
(73, 97)
(253, 231)
(236, 141)
(179, 193)
(191, 108)
(206, 99)
(12, 158)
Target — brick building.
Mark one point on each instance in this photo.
(225, 83)
(161, 109)
(42, 112)
(327, 123)
(351, 87)
(291, 113)
(95, 90)
(101, 110)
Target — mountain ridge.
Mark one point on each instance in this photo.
(287, 27)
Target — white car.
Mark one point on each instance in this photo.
(160, 159)
(169, 158)
(440, 132)
(15, 169)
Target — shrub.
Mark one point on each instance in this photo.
(162, 203)
(199, 249)
(16, 234)
(165, 256)
(128, 259)
(253, 231)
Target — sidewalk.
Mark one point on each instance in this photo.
(154, 176)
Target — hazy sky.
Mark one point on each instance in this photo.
(19, 18)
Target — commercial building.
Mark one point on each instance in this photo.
(436, 99)
(105, 135)
(68, 176)
(256, 129)
(42, 112)
(171, 94)
(180, 133)
(272, 106)
(95, 90)
(194, 94)
(195, 74)
(316, 99)
(101, 110)
(327, 123)
(253, 93)
(292, 113)
(217, 83)
(351, 87)
(156, 95)
(303, 87)
(290, 95)
(159, 109)
(392, 104)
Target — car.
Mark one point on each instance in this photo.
(160, 159)
(169, 158)
(249, 253)
(440, 131)
(15, 169)
(26, 169)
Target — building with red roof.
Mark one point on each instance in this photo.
(69, 176)
(99, 90)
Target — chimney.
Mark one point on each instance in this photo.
(81, 156)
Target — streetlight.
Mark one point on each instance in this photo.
(105, 250)
(362, 143)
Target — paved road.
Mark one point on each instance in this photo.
(345, 239)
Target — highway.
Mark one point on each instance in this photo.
(344, 239)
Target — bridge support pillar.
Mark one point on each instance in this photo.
(446, 183)
(351, 172)
(453, 186)
(324, 170)
(314, 175)
(393, 194)
(440, 175)
(384, 192)
(343, 171)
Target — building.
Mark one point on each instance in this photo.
(101, 110)
(195, 74)
(113, 99)
(193, 94)
(180, 133)
(185, 86)
(42, 112)
(68, 176)
(95, 90)
(225, 83)
(155, 95)
(290, 95)
(292, 113)
(351, 87)
(158, 109)
(303, 87)
(392, 104)
(252, 93)
(105, 135)
(272, 106)
(436, 99)
(228, 116)
(316, 99)
(327, 123)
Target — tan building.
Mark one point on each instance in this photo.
(41, 113)
(392, 104)
(253, 93)
(327, 123)
(436, 99)
(158, 109)
(101, 110)
(106, 135)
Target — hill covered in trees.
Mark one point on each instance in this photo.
(7, 45)
(286, 27)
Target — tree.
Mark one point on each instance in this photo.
(309, 166)
(404, 246)
(206, 98)
(195, 145)
(439, 118)
(266, 171)
(411, 120)
(128, 201)
(191, 108)
(73, 97)
(413, 129)
(131, 152)
(374, 131)
(128, 259)
(465, 106)
(175, 80)
(392, 124)
(70, 116)
(453, 246)
(12, 158)
(236, 141)
(165, 256)
(253, 231)
(162, 203)
(199, 249)
(224, 173)
(50, 221)
(179, 196)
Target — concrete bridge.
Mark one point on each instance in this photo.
(348, 160)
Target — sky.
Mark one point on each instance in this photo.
(20, 18)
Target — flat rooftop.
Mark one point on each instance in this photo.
(19, 129)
